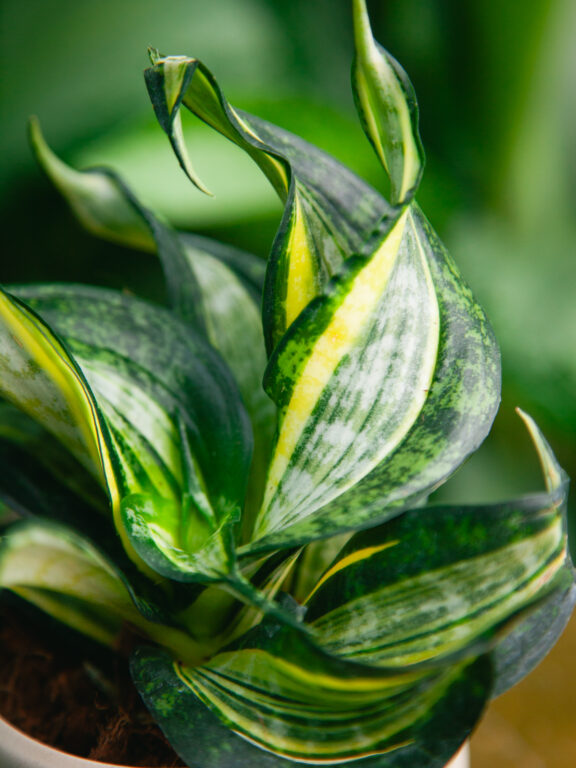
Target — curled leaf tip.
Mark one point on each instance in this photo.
(167, 81)
(154, 55)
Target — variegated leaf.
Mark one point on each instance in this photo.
(214, 287)
(385, 371)
(291, 703)
(387, 107)
(395, 597)
(40, 378)
(384, 385)
(62, 573)
(329, 212)
(161, 393)
(39, 476)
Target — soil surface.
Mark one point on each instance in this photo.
(80, 703)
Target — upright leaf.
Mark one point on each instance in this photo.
(384, 385)
(387, 106)
(329, 212)
(213, 287)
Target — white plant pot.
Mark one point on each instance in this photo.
(462, 759)
(20, 751)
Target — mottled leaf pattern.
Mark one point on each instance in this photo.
(387, 107)
(285, 696)
(209, 285)
(329, 213)
(305, 604)
(158, 373)
(422, 335)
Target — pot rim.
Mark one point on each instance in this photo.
(27, 752)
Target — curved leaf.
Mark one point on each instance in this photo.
(95, 198)
(39, 377)
(384, 386)
(39, 476)
(395, 597)
(213, 287)
(160, 391)
(329, 212)
(386, 103)
(62, 573)
(292, 704)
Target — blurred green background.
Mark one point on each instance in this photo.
(495, 81)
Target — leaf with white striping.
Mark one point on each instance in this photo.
(162, 394)
(286, 702)
(384, 386)
(394, 597)
(329, 212)
(213, 287)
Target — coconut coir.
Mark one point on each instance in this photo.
(63, 698)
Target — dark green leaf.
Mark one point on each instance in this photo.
(291, 702)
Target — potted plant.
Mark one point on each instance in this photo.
(296, 597)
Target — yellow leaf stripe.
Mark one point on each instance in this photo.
(338, 338)
(377, 80)
(64, 406)
(301, 284)
(355, 557)
(282, 707)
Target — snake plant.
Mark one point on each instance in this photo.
(242, 477)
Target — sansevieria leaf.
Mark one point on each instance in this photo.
(277, 699)
(57, 570)
(435, 601)
(397, 621)
(387, 107)
(179, 439)
(357, 378)
(243, 478)
(38, 375)
(217, 289)
(329, 212)
(386, 336)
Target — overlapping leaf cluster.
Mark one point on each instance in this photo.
(248, 491)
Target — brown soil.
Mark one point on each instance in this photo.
(56, 695)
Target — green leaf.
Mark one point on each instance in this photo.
(213, 287)
(95, 198)
(395, 597)
(39, 476)
(384, 385)
(290, 701)
(39, 377)
(61, 572)
(329, 212)
(387, 106)
(161, 392)
(533, 637)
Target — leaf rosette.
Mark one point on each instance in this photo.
(248, 490)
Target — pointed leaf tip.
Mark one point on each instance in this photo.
(388, 109)
(553, 473)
